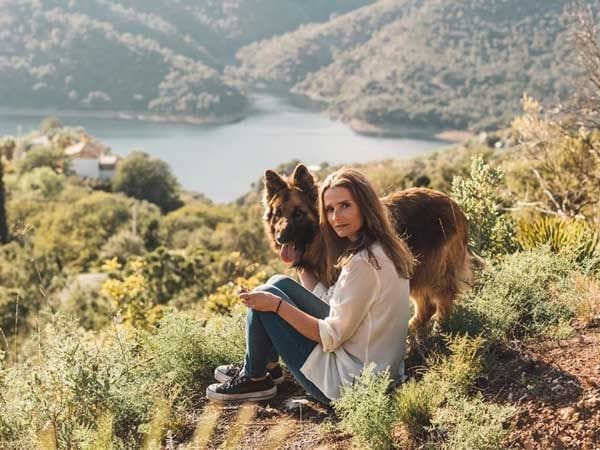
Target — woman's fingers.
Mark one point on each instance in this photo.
(248, 298)
(260, 301)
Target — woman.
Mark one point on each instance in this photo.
(362, 318)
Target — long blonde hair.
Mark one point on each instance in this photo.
(377, 227)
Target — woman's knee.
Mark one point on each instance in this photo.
(276, 279)
(269, 288)
(281, 281)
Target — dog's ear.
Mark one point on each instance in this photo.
(305, 181)
(273, 183)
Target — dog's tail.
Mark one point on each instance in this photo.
(472, 263)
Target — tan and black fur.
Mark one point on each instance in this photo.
(434, 226)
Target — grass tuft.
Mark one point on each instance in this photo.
(366, 409)
(205, 427)
(518, 297)
(245, 415)
(415, 406)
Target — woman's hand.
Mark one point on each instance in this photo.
(260, 301)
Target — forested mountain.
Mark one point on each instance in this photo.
(286, 60)
(155, 56)
(458, 64)
(424, 62)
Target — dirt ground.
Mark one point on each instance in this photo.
(555, 386)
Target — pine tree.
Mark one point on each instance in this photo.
(3, 227)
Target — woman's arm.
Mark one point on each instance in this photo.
(356, 290)
(304, 323)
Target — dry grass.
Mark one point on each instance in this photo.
(246, 414)
(278, 434)
(159, 421)
(206, 427)
(104, 432)
(46, 438)
(586, 299)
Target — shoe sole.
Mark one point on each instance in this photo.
(222, 378)
(250, 396)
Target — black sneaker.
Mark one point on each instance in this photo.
(226, 372)
(240, 388)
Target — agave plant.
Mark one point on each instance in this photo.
(561, 235)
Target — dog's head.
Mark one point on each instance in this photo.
(291, 216)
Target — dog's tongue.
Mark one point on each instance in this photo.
(287, 253)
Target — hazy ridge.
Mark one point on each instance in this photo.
(387, 63)
(454, 64)
(151, 56)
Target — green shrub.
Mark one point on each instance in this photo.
(178, 225)
(456, 374)
(146, 283)
(53, 158)
(63, 388)
(368, 412)
(42, 181)
(563, 159)
(145, 178)
(366, 409)
(225, 299)
(79, 386)
(471, 424)
(439, 410)
(75, 232)
(166, 272)
(491, 231)
(183, 352)
(123, 245)
(87, 306)
(517, 297)
(415, 405)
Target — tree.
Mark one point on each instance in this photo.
(75, 233)
(42, 181)
(146, 178)
(7, 148)
(44, 157)
(3, 226)
(585, 32)
(491, 231)
(563, 159)
(50, 124)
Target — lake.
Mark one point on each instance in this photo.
(222, 161)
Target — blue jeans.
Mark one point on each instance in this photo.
(268, 336)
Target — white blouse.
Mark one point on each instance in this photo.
(367, 322)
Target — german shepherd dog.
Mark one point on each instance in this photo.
(433, 225)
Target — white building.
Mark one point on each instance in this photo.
(90, 159)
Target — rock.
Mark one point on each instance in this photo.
(566, 413)
(292, 404)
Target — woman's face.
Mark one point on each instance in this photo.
(342, 212)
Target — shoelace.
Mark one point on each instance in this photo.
(236, 378)
(235, 369)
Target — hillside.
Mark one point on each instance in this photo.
(450, 64)
(65, 58)
(155, 56)
(286, 60)
(376, 65)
